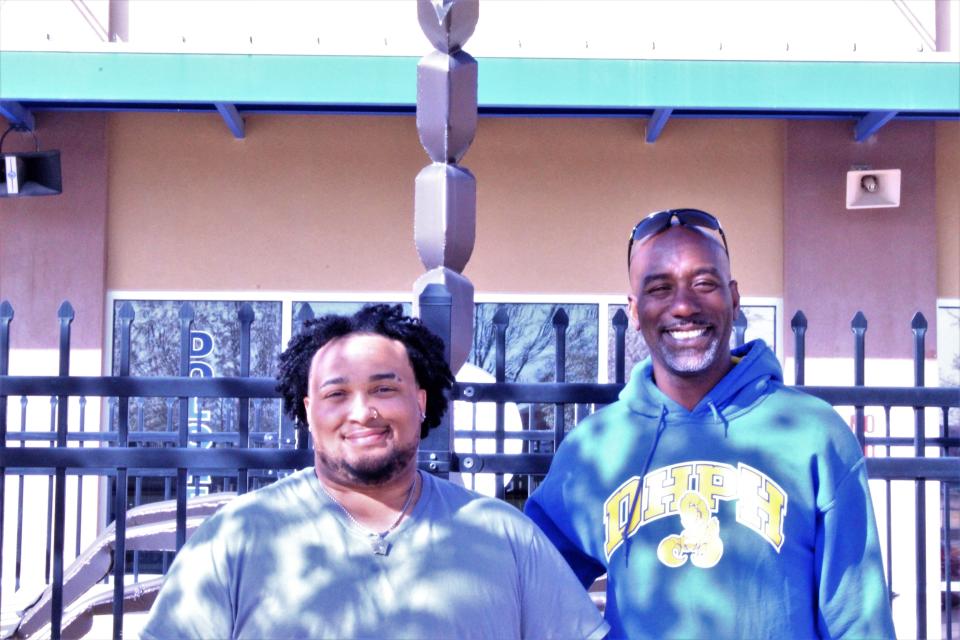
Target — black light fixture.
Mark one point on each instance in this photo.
(29, 173)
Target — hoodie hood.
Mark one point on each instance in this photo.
(743, 385)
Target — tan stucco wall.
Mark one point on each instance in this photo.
(559, 197)
(300, 203)
(52, 247)
(840, 261)
(948, 209)
(325, 203)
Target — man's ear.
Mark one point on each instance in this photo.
(735, 296)
(634, 312)
(306, 403)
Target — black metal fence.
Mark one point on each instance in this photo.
(93, 429)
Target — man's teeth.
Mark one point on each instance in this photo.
(686, 335)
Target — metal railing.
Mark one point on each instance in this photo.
(249, 451)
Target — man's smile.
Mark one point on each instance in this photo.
(687, 333)
(367, 436)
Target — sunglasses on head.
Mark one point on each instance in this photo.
(657, 222)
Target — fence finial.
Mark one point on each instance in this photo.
(560, 318)
(6, 310)
(65, 312)
(245, 314)
(305, 313)
(859, 327)
(127, 312)
(127, 316)
(561, 321)
(799, 327)
(620, 318)
(187, 316)
(919, 328)
(187, 312)
(859, 322)
(919, 322)
(799, 322)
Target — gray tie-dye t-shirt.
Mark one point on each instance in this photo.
(284, 562)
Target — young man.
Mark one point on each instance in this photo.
(364, 545)
(719, 503)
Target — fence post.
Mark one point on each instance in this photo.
(126, 317)
(436, 307)
(560, 323)
(859, 327)
(6, 315)
(302, 435)
(619, 343)
(739, 328)
(187, 316)
(65, 314)
(799, 327)
(919, 328)
(500, 321)
(246, 317)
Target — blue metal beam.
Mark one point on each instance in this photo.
(658, 120)
(17, 115)
(232, 117)
(871, 123)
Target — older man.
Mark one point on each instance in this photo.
(719, 503)
(363, 545)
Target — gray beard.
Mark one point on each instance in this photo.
(370, 473)
(689, 364)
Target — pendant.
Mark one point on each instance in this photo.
(378, 544)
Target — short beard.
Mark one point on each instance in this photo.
(690, 364)
(372, 473)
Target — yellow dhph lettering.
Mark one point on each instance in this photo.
(762, 505)
(615, 513)
(716, 482)
(663, 496)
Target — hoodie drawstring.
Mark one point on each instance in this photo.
(713, 410)
(718, 418)
(661, 425)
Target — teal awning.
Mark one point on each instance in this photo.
(128, 80)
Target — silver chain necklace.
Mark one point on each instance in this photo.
(378, 543)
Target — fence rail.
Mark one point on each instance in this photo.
(119, 448)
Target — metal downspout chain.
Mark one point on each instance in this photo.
(445, 201)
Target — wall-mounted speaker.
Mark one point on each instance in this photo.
(31, 173)
(873, 188)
